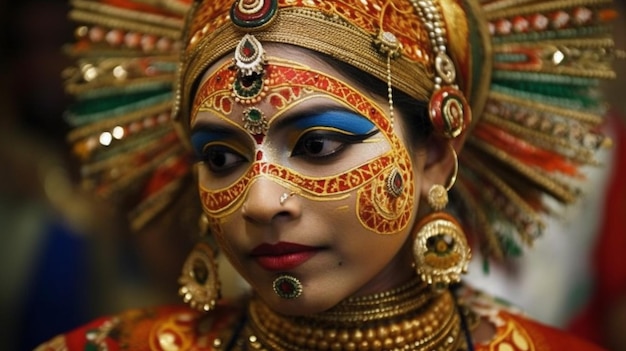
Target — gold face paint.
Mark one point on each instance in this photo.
(384, 185)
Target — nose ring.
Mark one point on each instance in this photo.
(285, 196)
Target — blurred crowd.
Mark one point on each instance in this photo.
(62, 263)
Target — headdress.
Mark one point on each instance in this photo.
(529, 69)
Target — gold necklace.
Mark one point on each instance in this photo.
(411, 317)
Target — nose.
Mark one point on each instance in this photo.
(268, 202)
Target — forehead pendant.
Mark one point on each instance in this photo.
(249, 83)
(249, 86)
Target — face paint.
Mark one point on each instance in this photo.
(200, 139)
(379, 209)
(342, 120)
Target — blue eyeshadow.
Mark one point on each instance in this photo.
(343, 120)
(202, 137)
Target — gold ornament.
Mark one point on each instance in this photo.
(200, 285)
(287, 287)
(438, 194)
(285, 196)
(410, 317)
(438, 197)
(440, 250)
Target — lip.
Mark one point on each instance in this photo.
(282, 256)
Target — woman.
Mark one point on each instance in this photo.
(326, 136)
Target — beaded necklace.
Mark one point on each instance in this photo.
(411, 317)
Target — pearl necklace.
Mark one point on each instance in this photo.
(411, 317)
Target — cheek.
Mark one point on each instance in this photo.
(363, 249)
(221, 202)
(221, 229)
(225, 230)
(217, 230)
(386, 204)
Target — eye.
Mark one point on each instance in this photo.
(319, 144)
(220, 158)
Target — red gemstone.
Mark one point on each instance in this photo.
(287, 287)
(248, 49)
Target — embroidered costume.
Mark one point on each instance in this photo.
(182, 328)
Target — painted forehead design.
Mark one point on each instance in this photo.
(285, 82)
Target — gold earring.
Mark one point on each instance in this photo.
(440, 248)
(438, 194)
(200, 285)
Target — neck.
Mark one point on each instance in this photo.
(410, 317)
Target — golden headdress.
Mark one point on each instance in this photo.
(529, 69)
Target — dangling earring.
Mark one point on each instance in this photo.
(440, 248)
(200, 285)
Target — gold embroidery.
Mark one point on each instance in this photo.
(56, 344)
(176, 332)
(510, 336)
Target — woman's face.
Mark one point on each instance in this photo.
(307, 134)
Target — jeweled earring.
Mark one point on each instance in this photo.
(200, 285)
(440, 248)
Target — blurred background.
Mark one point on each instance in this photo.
(574, 277)
(63, 261)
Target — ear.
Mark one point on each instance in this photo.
(440, 162)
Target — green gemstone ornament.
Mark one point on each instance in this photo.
(254, 121)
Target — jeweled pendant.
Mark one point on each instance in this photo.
(287, 287)
(254, 121)
(249, 84)
(395, 183)
(249, 56)
(250, 89)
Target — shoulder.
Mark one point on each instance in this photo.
(514, 331)
(160, 328)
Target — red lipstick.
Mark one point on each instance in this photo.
(282, 256)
